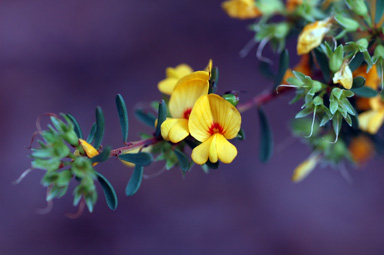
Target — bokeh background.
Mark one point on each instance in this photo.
(71, 56)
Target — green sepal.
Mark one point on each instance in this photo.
(123, 116)
(141, 158)
(162, 115)
(305, 112)
(135, 181)
(103, 156)
(349, 24)
(76, 126)
(82, 168)
(46, 164)
(109, 191)
(266, 138)
(283, 66)
(147, 118)
(100, 125)
(379, 10)
(337, 122)
(183, 160)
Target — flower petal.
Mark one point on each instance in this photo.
(88, 148)
(371, 121)
(184, 96)
(344, 76)
(174, 130)
(213, 150)
(200, 153)
(305, 168)
(226, 151)
(201, 119)
(241, 9)
(179, 71)
(166, 86)
(312, 35)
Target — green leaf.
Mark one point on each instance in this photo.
(91, 135)
(162, 115)
(147, 118)
(76, 126)
(214, 80)
(103, 156)
(322, 61)
(212, 165)
(356, 62)
(265, 69)
(183, 160)
(337, 121)
(283, 66)
(109, 191)
(333, 105)
(379, 10)
(99, 134)
(358, 82)
(305, 112)
(348, 23)
(141, 158)
(123, 116)
(365, 92)
(135, 181)
(266, 138)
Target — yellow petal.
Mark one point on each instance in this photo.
(166, 86)
(200, 153)
(344, 76)
(174, 130)
(213, 150)
(226, 151)
(312, 35)
(89, 149)
(372, 80)
(361, 149)
(201, 119)
(241, 9)
(209, 67)
(198, 75)
(305, 168)
(185, 95)
(371, 121)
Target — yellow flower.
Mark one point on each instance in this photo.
(89, 150)
(344, 76)
(312, 35)
(137, 150)
(173, 75)
(213, 120)
(371, 121)
(241, 9)
(372, 80)
(182, 100)
(361, 149)
(305, 168)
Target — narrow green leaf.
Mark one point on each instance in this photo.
(337, 121)
(265, 69)
(283, 66)
(76, 126)
(241, 135)
(214, 80)
(100, 124)
(365, 92)
(266, 138)
(379, 10)
(135, 181)
(147, 118)
(103, 156)
(356, 62)
(358, 82)
(91, 135)
(322, 61)
(305, 112)
(123, 116)
(183, 160)
(109, 191)
(162, 115)
(212, 165)
(141, 158)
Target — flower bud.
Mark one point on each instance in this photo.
(358, 7)
(344, 76)
(233, 99)
(312, 35)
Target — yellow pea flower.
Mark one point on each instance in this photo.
(344, 76)
(182, 100)
(361, 149)
(213, 120)
(129, 164)
(173, 75)
(293, 4)
(371, 121)
(89, 150)
(305, 168)
(241, 9)
(312, 35)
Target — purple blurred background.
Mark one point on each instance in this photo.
(71, 56)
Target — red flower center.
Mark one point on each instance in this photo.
(216, 128)
(187, 113)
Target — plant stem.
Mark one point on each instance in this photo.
(261, 99)
(135, 145)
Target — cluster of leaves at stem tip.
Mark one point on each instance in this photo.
(339, 77)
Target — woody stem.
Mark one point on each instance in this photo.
(135, 145)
